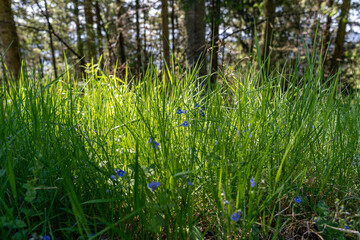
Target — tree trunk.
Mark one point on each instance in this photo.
(79, 42)
(195, 29)
(340, 37)
(173, 26)
(98, 27)
(327, 30)
(267, 28)
(90, 35)
(120, 42)
(8, 35)
(138, 43)
(215, 23)
(165, 31)
(52, 49)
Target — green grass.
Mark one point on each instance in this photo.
(61, 142)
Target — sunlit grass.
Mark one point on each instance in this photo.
(123, 159)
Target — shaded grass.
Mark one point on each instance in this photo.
(61, 142)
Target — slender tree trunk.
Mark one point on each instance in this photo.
(8, 36)
(138, 43)
(53, 57)
(215, 23)
(90, 35)
(165, 30)
(340, 37)
(195, 29)
(267, 29)
(98, 27)
(327, 29)
(173, 25)
(120, 42)
(79, 42)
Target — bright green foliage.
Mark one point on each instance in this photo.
(246, 151)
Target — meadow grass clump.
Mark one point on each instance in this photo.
(157, 158)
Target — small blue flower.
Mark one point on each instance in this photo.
(185, 124)
(113, 177)
(93, 234)
(197, 105)
(202, 113)
(190, 183)
(153, 185)
(179, 111)
(347, 227)
(121, 173)
(150, 140)
(219, 129)
(235, 217)
(298, 199)
(46, 237)
(95, 131)
(250, 134)
(252, 182)
(156, 145)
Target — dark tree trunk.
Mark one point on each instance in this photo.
(98, 27)
(90, 35)
(173, 26)
(195, 28)
(79, 42)
(53, 57)
(327, 30)
(8, 36)
(215, 23)
(267, 28)
(138, 40)
(340, 37)
(120, 42)
(165, 30)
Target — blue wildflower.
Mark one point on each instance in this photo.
(235, 217)
(197, 105)
(121, 173)
(95, 131)
(179, 111)
(153, 185)
(150, 140)
(252, 182)
(219, 129)
(250, 134)
(202, 113)
(113, 177)
(185, 124)
(189, 182)
(347, 227)
(46, 237)
(156, 145)
(298, 199)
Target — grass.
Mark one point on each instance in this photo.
(252, 163)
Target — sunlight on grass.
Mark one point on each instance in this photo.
(123, 159)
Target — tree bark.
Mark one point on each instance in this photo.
(138, 43)
(8, 36)
(267, 28)
(340, 37)
(120, 42)
(215, 23)
(195, 29)
(90, 35)
(327, 30)
(52, 49)
(165, 31)
(98, 27)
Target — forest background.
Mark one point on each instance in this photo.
(139, 32)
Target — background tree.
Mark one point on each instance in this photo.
(165, 30)
(195, 30)
(9, 38)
